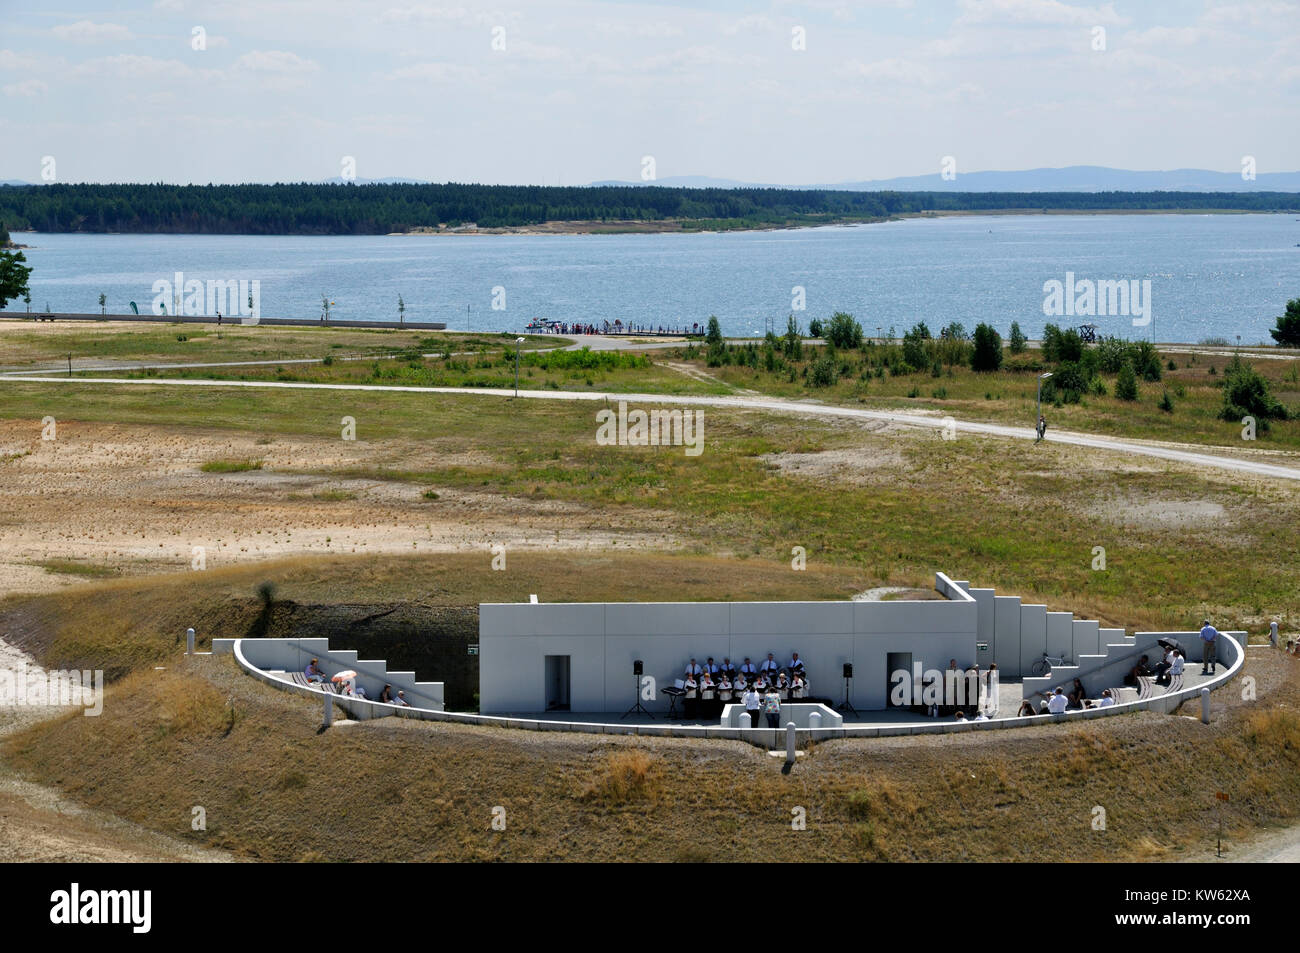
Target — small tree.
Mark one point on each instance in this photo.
(13, 276)
(713, 337)
(815, 327)
(914, 346)
(987, 355)
(401, 310)
(102, 300)
(793, 342)
(1126, 385)
(1017, 340)
(27, 300)
(843, 331)
(1287, 332)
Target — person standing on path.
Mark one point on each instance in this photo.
(1209, 643)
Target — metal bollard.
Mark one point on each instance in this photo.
(789, 743)
(1205, 706)
(329, 709)
(189, 641)
(745, 721)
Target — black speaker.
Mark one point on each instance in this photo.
(637, 667)
(848, 669)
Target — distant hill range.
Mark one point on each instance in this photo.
(1075, 178)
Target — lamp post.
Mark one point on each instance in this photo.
(1039, 415)
(518, 343)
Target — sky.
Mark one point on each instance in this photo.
(572, 91)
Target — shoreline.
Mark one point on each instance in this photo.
(683, 226)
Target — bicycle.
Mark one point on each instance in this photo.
(1043, 666)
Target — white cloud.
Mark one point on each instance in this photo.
(1038, 13)
(893, 70)
(26, 87)
(84, 31)
(275, 61)
(438, 73)
(131, 66)
(11, 60)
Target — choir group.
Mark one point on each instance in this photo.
(710, 686)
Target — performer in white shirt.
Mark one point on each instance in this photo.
(783, 681)
(710, 667)
(748, 669)
(796, 664)
(740, 683)
(693, 668)
(728, 669)
(770, 666)
(799, 686)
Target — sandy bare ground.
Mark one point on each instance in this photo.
(37, 823)
(134, 498)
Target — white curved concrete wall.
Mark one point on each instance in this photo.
(602, 640)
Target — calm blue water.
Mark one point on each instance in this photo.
(1212, 275)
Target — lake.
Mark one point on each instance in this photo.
(1210, 275)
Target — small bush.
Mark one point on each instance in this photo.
(230, 466)
(987, 355)
(1167, 403)
(1126, 387)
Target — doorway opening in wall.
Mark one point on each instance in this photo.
(557, 683)
(896, 662)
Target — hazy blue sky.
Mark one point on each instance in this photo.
(285, 89)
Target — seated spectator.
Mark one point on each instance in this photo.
(360, 691)
(1026, 709)
(386, 696)
(1077, 696)
(1135, 673)
(980, 716)
(796, 664)
(313, 672)
(1160, 670)
(401, 700)
(961, 715)
(1176, 669)
(1106, 700)
(1058, 702)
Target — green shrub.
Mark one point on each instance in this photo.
(1126, 387)
(1166, 403)
(1247, 392)
(843, 331)
(824, 371)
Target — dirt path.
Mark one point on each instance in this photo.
(1202, 457)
